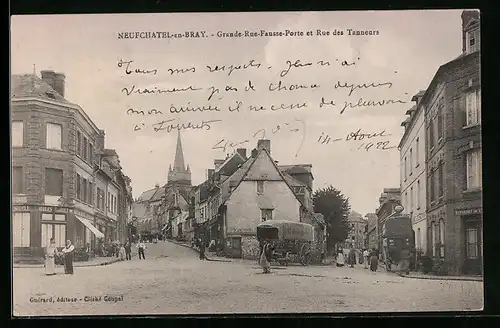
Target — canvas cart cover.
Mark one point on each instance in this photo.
(290, 230)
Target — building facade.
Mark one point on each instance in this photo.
(371, 239)
(357, 231)
(55, 155)
(452, 105)
(389, 199)
(241, 191)
(162, 210)
(413, 179)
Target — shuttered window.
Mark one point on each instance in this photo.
(17, 134)
(54, 136)
(17, 180)
(53, 182)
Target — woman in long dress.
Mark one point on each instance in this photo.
(264, 263)
(373, 260)
(121, 253)
(68, 252)
(50, 253)
(340, 259)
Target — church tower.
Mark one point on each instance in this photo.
(180, 174)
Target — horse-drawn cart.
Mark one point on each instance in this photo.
(291, 241)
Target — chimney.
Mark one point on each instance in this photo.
(254, 152)
(467, 16)
(100, 139)
(264, 143)
(242, 152)
(210, 173)
(218, 163)
(55, 80)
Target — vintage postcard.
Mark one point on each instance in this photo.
(270, 162)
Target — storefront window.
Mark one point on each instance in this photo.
(53, 226)
(21, 229)
(472, 243)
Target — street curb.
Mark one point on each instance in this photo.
(439, 278)
(197, 251)
(17, 266)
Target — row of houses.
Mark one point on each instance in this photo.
(65, 183)
(441, 163)
(238, 193)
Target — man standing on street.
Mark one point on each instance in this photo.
(366, 256)
(141, 247)
(128, 250)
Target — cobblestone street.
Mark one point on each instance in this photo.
(172, 280)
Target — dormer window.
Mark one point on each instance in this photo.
(472, 41)
(50, 95)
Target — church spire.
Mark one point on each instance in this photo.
(179, 155)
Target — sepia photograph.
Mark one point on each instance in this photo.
(246, 163)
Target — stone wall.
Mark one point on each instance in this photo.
(249, 247)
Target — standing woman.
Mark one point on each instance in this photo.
(373, 260)
(50, 253)
(264, 263)
(68, 251)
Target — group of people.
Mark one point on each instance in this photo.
(67, 253)
(51, 253)
(369, 257)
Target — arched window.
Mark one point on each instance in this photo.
(441, 237)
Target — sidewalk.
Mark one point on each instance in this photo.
(94, 262)
(419, 275)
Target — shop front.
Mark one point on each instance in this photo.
(472, 236)
(34, 225)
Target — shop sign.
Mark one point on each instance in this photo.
(468, 211)
(242, 231)
(23, 208)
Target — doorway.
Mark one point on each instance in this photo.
(473, 246)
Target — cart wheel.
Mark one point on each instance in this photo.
(305, 254)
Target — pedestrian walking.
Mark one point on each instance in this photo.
(50, 254)
(121, 253)
(340, 261)
(352, 256)
(141, 247)
(366, 256)
(264, 261)
(373, 260)
(201, 244)
(128, 250)
(68, 252)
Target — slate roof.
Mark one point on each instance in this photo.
(30, 85)
(292, 181)
(147, 195)
(239, 175)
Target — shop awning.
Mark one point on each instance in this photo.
(90, 226)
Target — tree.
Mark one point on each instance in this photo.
(335, 208)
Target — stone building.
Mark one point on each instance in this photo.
(371, 238)
(163, 210)
(57, 152)
(389, 199)
(242, 191)
(413, 179)
(452, 105)
(357, 231)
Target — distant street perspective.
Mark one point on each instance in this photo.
(173, 280)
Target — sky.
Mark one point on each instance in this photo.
(403, 57)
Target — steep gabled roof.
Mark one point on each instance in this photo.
(292, 181)
(245, 168)
(147, 195)
(30, 85)
(230, 165)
